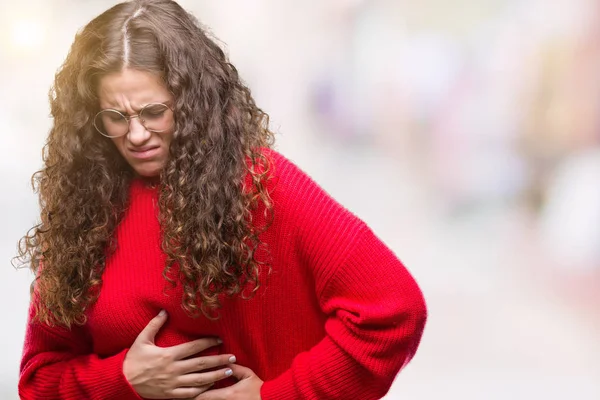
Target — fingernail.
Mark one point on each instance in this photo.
(219, 341)
(162, 313)
(232, 359)
(228, 372)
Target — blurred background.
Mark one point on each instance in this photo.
(465, 132)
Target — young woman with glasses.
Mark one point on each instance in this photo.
(178, 255)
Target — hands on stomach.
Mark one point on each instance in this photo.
(167, 373)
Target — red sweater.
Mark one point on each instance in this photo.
(338, 317)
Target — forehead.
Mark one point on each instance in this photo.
(131, 89)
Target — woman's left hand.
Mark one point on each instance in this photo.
(247, 388)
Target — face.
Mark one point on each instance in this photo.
(128, 92)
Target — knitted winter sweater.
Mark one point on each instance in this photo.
(337, 317)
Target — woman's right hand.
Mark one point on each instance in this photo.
(166, 373)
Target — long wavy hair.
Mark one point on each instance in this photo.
(215, 176)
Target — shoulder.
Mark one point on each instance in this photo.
(280, 166)
(297, 196)
(286, 179)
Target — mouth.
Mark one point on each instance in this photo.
(144, 152)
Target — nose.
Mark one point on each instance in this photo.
(138, 134)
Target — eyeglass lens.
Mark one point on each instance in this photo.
(154, 117)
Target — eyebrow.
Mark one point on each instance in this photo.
(138, 109)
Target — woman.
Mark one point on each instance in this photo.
(178, 256)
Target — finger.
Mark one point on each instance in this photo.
(189, 349)
(149, 332)
(216, 394)
(202, 363)
(203, 379)
(241, 372)
(188, 392)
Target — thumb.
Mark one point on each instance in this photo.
(241, 372)
(149, 332)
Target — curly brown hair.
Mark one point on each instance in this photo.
(215, 176)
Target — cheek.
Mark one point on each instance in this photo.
(118, 142)
(168, 138)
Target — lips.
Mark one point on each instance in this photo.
(143, 149)
(144, 152)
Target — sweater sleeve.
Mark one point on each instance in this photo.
(57, 364)
(375, 310)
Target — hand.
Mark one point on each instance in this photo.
(248, 387)
(160, 373)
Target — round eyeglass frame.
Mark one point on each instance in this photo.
(128, 118)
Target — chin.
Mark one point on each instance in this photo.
(150, 171)
(146, 174)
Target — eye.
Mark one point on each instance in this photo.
(111, 117)
(114, 117)
(154, 111)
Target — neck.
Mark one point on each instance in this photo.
(151, 181)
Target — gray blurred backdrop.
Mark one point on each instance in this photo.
(465, 132)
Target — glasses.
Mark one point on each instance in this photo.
(155, 117)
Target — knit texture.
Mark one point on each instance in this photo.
(336, 318)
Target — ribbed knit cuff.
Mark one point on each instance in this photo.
(119, 388)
